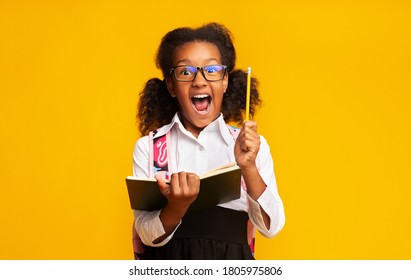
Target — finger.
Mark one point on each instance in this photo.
(250, 134)
(189, 184)
(252, 125)
(163, 186)
(247, 145)
(249, 131)
(174, 184)
(182, 179)
(193, 182)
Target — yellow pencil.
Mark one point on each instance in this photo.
(247, 102)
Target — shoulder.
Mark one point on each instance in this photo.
(264, 151)
(263, 140)
(264, 144)
(161, 131)
(142, 145)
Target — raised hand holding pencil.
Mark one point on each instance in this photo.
(248, 141)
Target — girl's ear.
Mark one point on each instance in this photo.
(170, 87)
(225, 82)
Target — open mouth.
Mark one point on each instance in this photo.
(201, 103)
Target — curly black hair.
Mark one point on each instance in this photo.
(157, 107)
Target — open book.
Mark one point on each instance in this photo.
(217, 186)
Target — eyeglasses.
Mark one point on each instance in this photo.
(211, 73)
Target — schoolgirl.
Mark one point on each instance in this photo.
(201, 92)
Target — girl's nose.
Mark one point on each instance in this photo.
(199, 80)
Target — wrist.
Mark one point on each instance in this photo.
(249, 168)
(176, 211)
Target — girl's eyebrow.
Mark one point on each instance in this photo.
(188, 61)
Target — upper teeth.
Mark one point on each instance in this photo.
(200, 96)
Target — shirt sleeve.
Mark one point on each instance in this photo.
(147, 223)
(269, 200)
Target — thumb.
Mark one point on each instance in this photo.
(162, 185)
(250, 124)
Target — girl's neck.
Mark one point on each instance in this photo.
(190, 127)
(195, 131)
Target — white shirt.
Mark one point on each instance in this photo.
(213, 148)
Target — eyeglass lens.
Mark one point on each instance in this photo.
(210, 72)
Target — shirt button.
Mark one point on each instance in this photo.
(201, 148)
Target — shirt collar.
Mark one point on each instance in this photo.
(220, 126)
(166, 128)
(217, 125)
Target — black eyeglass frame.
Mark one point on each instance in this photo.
(172, 70)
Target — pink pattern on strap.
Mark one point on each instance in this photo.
(160, 153)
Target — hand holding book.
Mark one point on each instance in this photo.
(181, 191)
(217, 186)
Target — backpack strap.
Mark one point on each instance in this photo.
(159, 154)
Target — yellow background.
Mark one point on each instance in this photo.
(335, 80)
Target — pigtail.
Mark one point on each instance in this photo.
(234, 101)
(156, 106)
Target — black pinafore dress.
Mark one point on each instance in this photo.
(214, 233)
